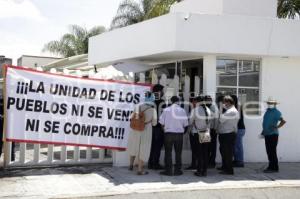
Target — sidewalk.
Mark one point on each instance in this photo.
(90, 181)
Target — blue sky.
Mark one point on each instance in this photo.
(26, 25)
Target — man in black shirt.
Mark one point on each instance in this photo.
(157, 132)
(1, 125)
(238, 148)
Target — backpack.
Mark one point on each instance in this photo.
(137, 121)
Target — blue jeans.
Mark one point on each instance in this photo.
(238, 148)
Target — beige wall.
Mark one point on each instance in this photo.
(33, 62)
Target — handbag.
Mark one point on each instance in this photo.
(204, 135)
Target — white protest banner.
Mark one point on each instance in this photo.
(61, 109)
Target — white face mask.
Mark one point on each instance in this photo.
(271, 106)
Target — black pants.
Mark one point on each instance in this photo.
(271, 142)
(176, 140)
(194, 147)
(227, 142)
(212, 152)
(1, 141)
(202, 156)
(12, 147)
(156, 145)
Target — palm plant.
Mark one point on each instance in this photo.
(73, 43)
(131, 11)
(288, 9)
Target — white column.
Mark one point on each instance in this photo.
(209, 75)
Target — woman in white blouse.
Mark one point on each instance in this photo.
(139, 142)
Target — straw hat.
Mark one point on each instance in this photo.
(271, 100)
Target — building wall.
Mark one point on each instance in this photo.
(4, 60)
(243, 35)
(279, 79)
(33, 62)
(265, 8)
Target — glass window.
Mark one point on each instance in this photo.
(248, 74)
(226, 73)
(249, 98)
(226, 91)
(240, 77)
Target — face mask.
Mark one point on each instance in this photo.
(208, 105)
(150, 98)
(224, 106)
(271, 106)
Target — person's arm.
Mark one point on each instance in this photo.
(281, 121)
(281, 124)
(162, 120)
(186, 129)
(154, 117)
(192, 116)
(229, 115)
(186, 123)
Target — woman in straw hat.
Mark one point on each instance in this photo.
(273, 120)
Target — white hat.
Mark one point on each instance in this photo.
(271, 100)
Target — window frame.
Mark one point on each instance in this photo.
(238, 87)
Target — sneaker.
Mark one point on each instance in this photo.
(178, 173)
(166, 173)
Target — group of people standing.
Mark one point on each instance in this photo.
(165, 125)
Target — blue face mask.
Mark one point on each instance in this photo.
(151, 98)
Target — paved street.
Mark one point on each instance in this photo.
(96, 181)
(266, 193)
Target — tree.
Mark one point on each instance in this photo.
(288, 9)
(131, 11)
(73, 43)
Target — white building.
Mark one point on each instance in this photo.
(35, 61)
(235, 46)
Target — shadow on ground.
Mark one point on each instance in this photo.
(118, 176)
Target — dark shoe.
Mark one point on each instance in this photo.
(238, 165)
(226, 173)
(142, 173)
(220, 168)
(178, 173)
(158, 167)
(204, 173)
(190, 168)
(150, 166)
(212, 166)
(166, 173)
(130, 168)
(197, 174)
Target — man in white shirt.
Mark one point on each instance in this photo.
(174, 121)
(227, 134)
